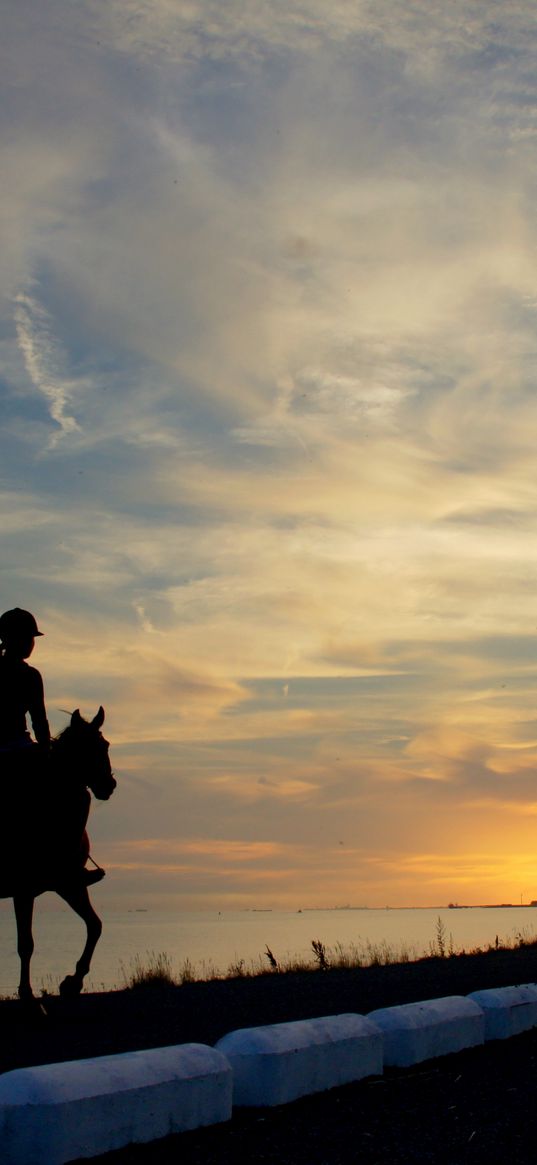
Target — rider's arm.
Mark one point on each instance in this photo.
(36, 708)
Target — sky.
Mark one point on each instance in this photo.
(268, 307)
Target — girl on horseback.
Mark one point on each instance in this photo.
(22, 694)
(21, 686)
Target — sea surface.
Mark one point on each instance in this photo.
(213, 942)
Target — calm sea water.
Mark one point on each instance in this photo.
(215, 940)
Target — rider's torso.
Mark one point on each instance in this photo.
(21, 691)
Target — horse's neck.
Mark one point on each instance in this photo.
(65, 768)
(70, 799)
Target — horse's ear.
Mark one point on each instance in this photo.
(98, 720)
(76, 719)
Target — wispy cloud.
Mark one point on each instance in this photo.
(43, 359)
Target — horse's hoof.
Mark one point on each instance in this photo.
(32, 1008)
(70, 987)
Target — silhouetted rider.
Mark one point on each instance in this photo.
(21, 686)
(21, 694)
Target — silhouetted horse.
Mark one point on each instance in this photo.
(48, 845)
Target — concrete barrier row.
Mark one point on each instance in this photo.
(55, 1113)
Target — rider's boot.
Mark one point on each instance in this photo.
(90, 877)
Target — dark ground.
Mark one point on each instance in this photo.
(478, 1106)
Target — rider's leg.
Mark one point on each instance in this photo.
(89, 877)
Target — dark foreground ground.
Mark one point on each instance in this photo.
(476, 1107)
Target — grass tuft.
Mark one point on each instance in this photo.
(443, 946)
(154, 971)
(320, 953)
(272, 959)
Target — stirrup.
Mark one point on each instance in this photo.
(90, 877)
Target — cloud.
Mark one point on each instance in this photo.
(42, 358)
(205, 29)
(269, 439)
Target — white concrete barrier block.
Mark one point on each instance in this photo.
(508, 1010)
(276, 1064)
(58, 1112)
(421, 1031)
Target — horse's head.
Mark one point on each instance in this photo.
(86, 749)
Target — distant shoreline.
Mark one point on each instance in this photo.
(443, 906)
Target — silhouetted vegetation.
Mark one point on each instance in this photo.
(157, 969)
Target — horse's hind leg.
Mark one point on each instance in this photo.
(24, 913)
(78, 900)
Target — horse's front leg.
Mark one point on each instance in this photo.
(24, 913)
(78, 900)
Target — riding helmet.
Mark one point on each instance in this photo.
(18, 622)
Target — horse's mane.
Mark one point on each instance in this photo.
(60, 735)
(65, 731)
